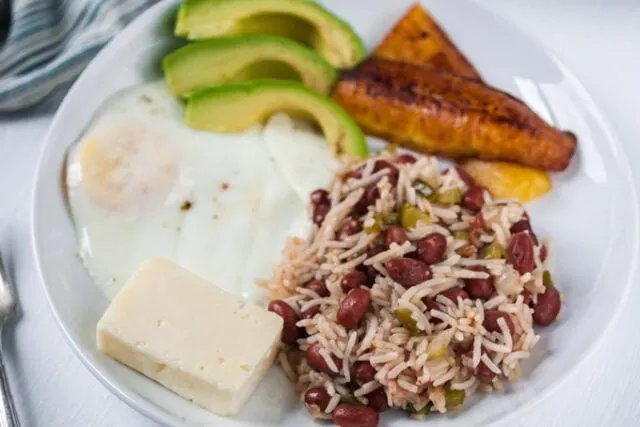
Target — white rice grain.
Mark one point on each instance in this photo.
(508, 340)
(396, 371)
(515, 356)
(346, 368)
(408, 386)
(328, 360)
(465, 385)
(489, 363)
(477, 350)
(499, 348)
(367, 388)
(333, 403)
(446, 377)
(383, 358)
(394, 251)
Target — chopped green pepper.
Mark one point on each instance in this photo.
(450, 197)
(420, 413)
(411, 215)
(425, 190)
(454, 398)
(547, 280)
(461, 235)
(382, 219)
(348, 398)
(404, 316)
(492, 251)
(390, 218)
(375, 227)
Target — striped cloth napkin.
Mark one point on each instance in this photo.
(49, 42)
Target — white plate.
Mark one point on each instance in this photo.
(590, 213)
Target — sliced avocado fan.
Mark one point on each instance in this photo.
(235, 107)
(213, 62)
(301, 20)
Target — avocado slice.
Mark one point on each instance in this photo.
(213, 62)
(302, 20)
(235, 107)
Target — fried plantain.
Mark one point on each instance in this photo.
(508, 180)
(441, 113)
(417, 38)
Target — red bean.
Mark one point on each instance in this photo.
(378, 400)
(371, 194)
(352, 415)
(318, 286)
(432, 248)
(365, 372)
(354, 173)
(520, 252)
(373, 250)
(392, 174)
(455, 293)
(311, 312)
(353, 280)
(406, 159)
(482, 371)
(527, 297)
(473, 198)
(479, 288)
(349, 227)
(520, 226)
(491, 321)
(319, 213)
(320, 197)
(408, 272)
(543, 253)
(317, 396)
(353, 308)
(290, 331)
(548, 307)
(394, 234)
(317, 362)
(432, 305)
(524, 225)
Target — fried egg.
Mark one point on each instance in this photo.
(141, 184)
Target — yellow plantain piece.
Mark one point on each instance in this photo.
(440, 113)
(417, 38)
(508, 180)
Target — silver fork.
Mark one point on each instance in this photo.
(8, 413)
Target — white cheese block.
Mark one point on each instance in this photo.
(193, 338)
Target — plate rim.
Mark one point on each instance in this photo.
(152, 411)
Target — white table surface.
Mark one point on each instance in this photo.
(597, 39)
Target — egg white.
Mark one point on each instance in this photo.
(140, 183)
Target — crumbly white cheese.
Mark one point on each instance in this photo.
(193, 338)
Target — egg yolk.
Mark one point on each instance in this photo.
(126, 166)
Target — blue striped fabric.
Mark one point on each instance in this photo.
(51, 41)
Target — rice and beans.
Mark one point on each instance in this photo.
(415, 290)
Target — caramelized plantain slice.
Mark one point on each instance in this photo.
(508, 180)
(417, 38)
(441, 113)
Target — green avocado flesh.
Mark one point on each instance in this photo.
(213, 62)
(301, 20)
(235, 107)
